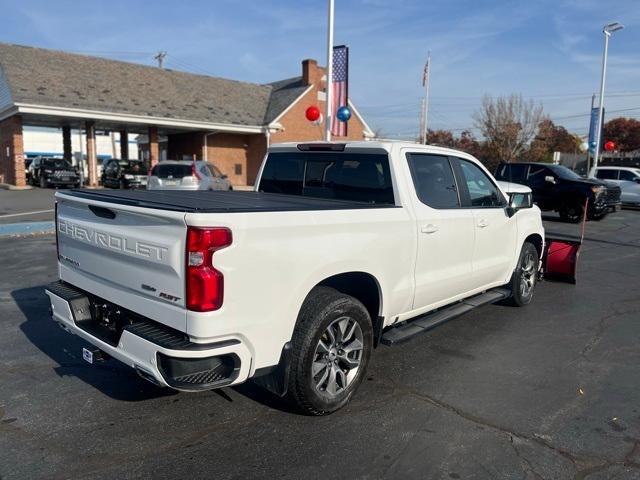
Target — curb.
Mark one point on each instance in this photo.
(7, 186)
(26, 228)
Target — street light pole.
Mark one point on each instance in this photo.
(607, 30)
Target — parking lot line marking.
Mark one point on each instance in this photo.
(25, 213)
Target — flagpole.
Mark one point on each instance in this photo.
(329, 75)
(427, 78)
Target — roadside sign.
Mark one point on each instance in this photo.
(593, 129)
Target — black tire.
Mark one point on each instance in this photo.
(122, 185)
(43, 182)
(572, 211)
(597, 216)
(320, 311)
(520, 296)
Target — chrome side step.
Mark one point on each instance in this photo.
(417, 325)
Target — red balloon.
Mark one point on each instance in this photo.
(609, 146)
(312, 113)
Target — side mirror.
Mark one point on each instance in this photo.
(518, 201)
(550, 179)
(637, 179)
(224, 176)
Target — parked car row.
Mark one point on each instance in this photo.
(167, 175)
(627, 178)
(557, 188)
(50, 171)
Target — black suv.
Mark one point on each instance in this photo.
(124, 174)
(557, 188)
(46, 171)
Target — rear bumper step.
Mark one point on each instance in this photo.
(160, 354)
(421, 324)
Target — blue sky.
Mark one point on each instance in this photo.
(549, 51)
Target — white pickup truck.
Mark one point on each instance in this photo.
(340, 247)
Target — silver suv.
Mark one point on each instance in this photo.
(187, 175)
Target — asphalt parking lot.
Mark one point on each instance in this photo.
(26, 205)
(550, 391)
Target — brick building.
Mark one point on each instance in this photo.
(226, 122)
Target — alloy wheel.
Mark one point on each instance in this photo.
(337, 357)
(527, 275)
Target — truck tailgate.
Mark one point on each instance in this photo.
(128, 248)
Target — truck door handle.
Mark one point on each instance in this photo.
(429, 228)
(483, 223)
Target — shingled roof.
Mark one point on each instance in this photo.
(58, 79)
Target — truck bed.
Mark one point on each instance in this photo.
(218, 201)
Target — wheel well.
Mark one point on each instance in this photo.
(362, 286)
(536, 240)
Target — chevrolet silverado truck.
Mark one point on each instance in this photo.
(340, 247)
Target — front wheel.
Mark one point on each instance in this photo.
(572, 212)
(332, 344)
(43, 182)
(525, 276)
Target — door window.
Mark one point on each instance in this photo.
(482, 191)
(433, 180)
(608, 174)
(627, 175)
(516, 173)
(537, 175)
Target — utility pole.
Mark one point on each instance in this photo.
(422, 107)
(329, 75)
(160, 58)
(425, 104)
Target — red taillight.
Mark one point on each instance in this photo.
(205, 284)
(194, 171)
(55, 216)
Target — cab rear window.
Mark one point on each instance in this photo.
(360, 177)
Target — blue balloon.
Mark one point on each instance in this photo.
(343, 114)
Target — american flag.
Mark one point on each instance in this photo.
(340, 88)
(425, 73)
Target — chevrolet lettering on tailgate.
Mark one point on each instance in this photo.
(112, 242)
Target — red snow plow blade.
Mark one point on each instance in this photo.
(561, 252)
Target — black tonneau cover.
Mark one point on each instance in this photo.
(218, 201)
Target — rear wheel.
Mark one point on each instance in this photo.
(572, 211)
(332, 344)
(525, 276)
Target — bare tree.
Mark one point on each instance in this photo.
(508, 124)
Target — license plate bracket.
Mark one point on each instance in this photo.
(87, 355)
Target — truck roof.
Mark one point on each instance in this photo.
(387, 145)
